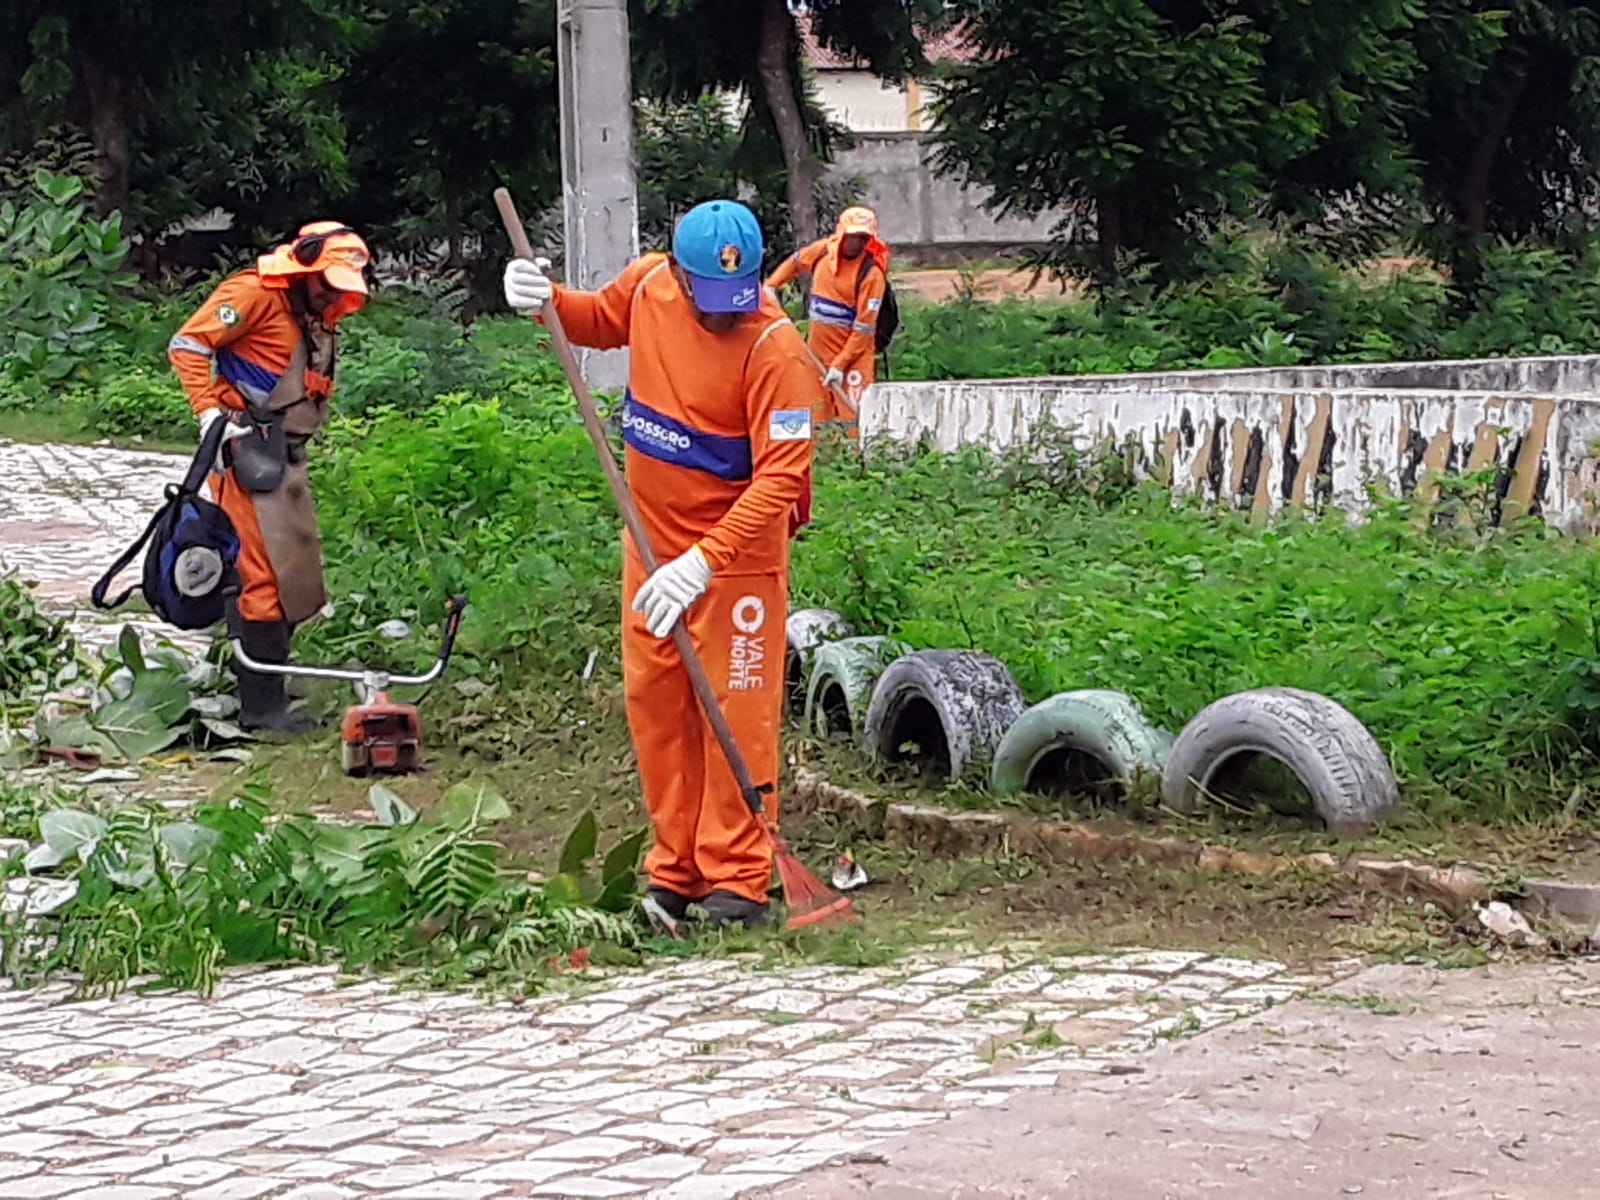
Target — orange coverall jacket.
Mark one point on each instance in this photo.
(240, 340)
(718, 440)
(846, 297)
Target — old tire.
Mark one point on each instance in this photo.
(843, 674)
(953, 705)
(1093, 741)
(806, 629)
(1339, 763)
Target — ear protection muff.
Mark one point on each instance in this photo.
(308, 249)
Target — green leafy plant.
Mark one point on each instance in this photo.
(147, 702)
(139, 891)
(35, 647)
(60, 275)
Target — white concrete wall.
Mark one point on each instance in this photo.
(920, 209)
(1261, 448)
(862, 103)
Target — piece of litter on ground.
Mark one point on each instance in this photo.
(848, 874)
(1501, 921)
(109, 775)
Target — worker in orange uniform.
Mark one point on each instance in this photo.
(846, 299)
(849, 274)
(259, 354)
(717, 427)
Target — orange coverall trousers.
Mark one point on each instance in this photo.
(710, 844)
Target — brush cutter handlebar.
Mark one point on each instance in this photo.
(366, 679)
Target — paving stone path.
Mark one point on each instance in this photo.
(66, 512)
(695, 1079)
(691, 1079)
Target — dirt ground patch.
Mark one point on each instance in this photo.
(1399, 1081)
(938, 284)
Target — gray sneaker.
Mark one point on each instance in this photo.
(727, 908)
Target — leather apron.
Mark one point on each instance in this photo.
(287, 514)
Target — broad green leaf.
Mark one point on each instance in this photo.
(225, 731)
(619, 893)
(339, 851)
(218, 708)
(69, 832)
(390, 808)
(129, 650)
(187, 842)
(49, 896)
(469, 804)
(134, 729)
(78, 734)
(42, 857)
(580, 845)
(623, 860)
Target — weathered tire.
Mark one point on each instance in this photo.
(806, 629)
(1078, 742)
(955, 705)
(843, 674)
(1336, 760)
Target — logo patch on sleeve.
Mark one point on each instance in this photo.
(790, 425)
(228, 315)
(874, 304)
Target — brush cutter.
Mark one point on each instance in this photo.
(379, 735)
(808, 900)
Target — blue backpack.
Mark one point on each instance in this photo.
(193, 556)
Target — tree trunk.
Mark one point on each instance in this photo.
(106, 113)
(453, 255)
(778, 87)
(1472, 202)
(1108, 232)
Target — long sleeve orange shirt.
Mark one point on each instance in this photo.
(240, 339)
(717, 425)
(845, 301)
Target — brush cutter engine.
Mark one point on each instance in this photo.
(379, 735)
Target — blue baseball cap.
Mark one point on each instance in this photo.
(719, 246)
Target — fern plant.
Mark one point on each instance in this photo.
(143, 893)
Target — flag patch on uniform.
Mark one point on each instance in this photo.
(790, 425)
(228, 314)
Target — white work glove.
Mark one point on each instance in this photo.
(668, 593)
(234, 431)
(527, 284)
(834, 378)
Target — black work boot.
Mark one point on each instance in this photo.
(263, 704)
(729, 908)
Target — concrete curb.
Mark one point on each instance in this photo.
(932, 830)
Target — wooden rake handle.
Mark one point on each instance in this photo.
(630, 512)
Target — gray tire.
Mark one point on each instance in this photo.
(807, 629)
(953, 705)
(1337, 761)
(843, 674)
(1081, 742)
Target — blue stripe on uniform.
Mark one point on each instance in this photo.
(665, 439)
(241, 372)
(831, 312)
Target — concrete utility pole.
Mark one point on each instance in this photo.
(597, 170)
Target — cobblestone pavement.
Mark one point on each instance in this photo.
(696, 1079)
(66, 512)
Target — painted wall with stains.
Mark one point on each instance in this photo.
(1263, 448)
(1576, 374)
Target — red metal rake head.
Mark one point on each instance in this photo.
(809, 900)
